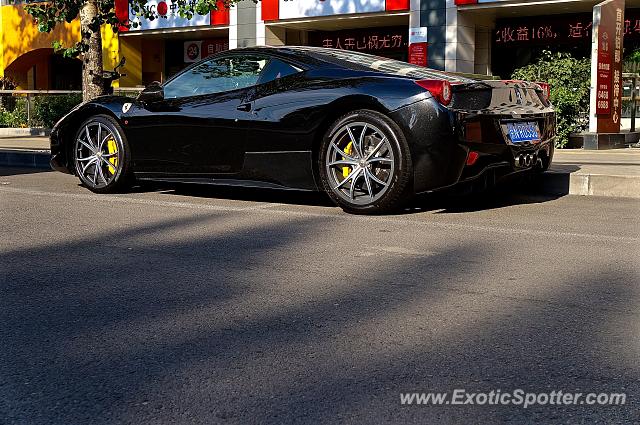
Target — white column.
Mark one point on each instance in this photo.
(459, 51)
(261, 38)
(233, 27)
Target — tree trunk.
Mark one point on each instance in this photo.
(92, 85)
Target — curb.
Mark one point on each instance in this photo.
(27, 159)
(558, 183)
(24, 132)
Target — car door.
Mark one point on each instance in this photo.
(278, 124)
(199, 127)
(279, 140)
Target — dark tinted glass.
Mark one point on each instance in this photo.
(276, 69)
(216, 76)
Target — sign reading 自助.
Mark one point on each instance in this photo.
(606, 67)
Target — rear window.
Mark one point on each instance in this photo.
(361, 61)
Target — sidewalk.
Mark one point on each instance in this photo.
(613, 172)
(28, 143)
(574, 171)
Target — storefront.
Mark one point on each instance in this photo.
(497, 36)
(28, 58)
(157, 49)
(518, 41)
(371, 26)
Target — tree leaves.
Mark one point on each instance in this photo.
(48, 15)
(568, 78)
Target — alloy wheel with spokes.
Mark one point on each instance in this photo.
(100, 154)
(360, 162)
(362, 159)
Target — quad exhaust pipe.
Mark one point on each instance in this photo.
(526, 160)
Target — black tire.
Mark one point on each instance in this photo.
(112, 176)
(377, 197)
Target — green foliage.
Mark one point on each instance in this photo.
(631, 62)
(569, 80)
(17, 117)
(51, 13)
(47, 110)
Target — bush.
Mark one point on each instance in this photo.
(569, 80)
(17, 117)
(47, 110)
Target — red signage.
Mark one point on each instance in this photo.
(603, 84)
(418, 54)
(609, 32)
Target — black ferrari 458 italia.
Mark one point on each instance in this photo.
(367, 130)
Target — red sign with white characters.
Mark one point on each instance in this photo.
(603, 88)
(418, 54)
(609, 32)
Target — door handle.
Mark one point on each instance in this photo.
(246, 107)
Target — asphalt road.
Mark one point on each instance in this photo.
(202, 305)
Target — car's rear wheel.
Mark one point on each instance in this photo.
(365, 164)
(101, 155)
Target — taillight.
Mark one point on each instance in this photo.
(546, 90)
(440, 89)
(472, 158)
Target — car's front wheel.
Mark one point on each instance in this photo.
(102, 156)
(365, 164)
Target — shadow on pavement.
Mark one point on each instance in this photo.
(523, 190)
(236, 325)
(14, 171)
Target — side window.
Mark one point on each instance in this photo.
(276, 69)
(217, 76)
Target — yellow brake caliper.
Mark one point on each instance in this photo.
(347, 150)
(112, 147)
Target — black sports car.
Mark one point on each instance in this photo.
(367, 130)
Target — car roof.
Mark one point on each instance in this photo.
(356, 61)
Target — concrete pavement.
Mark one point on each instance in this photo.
(26, 143)
(182, 304)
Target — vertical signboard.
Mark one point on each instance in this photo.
(418, 46)
(606, 67)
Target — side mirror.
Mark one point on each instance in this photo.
(152, 93)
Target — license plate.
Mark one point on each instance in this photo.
(523, 132)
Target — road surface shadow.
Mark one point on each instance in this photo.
(238, 326)
(516, 191)
(14, 171)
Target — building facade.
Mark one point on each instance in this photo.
(27, 55)
(488, 37)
